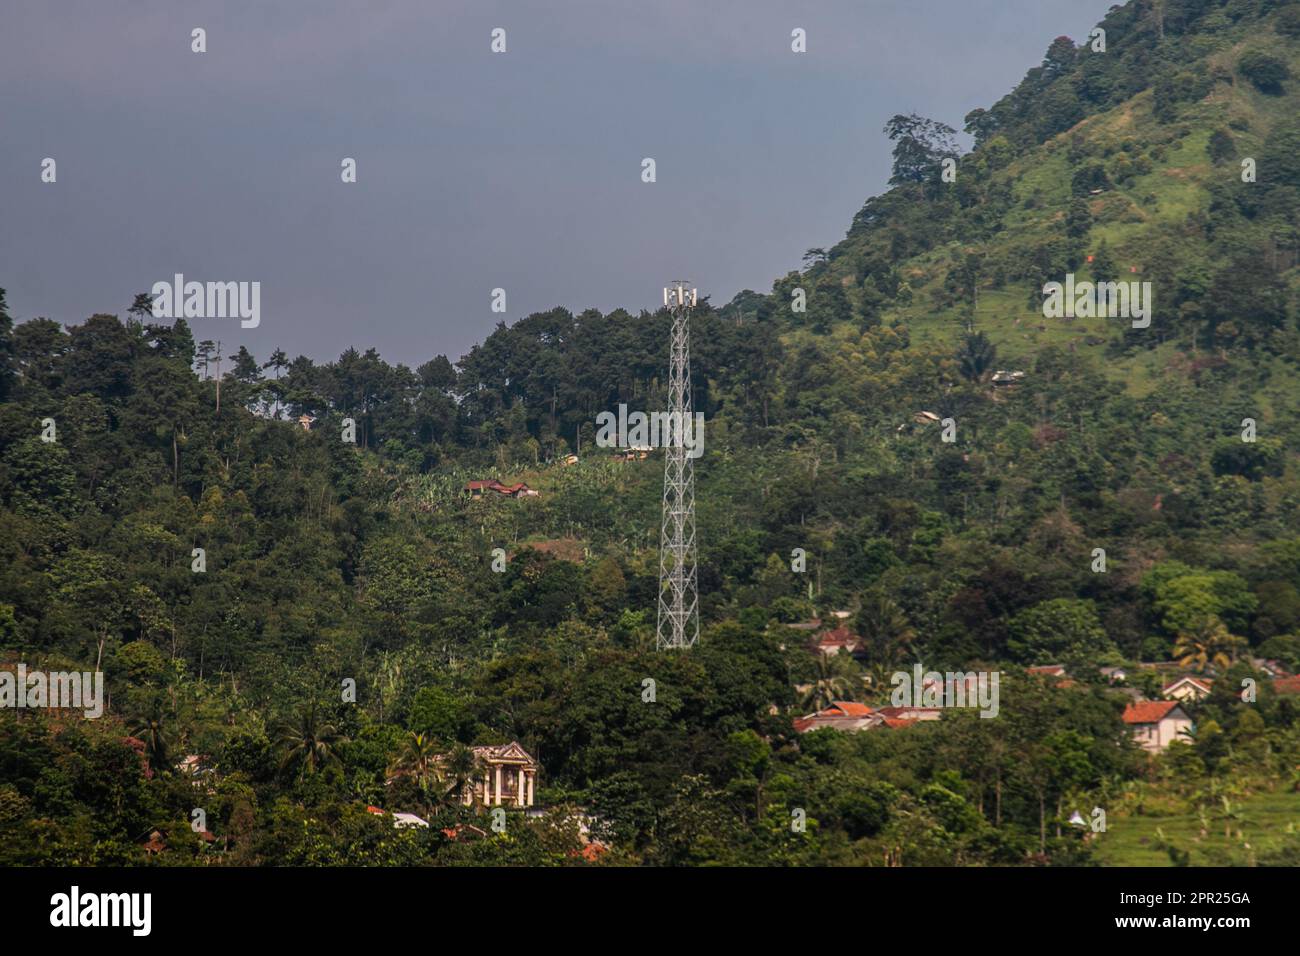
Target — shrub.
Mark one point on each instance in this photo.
(1288, 21)
(1266, 72)
(1221, 146)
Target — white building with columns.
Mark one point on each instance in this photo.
(508, 777)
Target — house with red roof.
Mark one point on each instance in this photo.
(835, 640)
(1287, 685)
(898, 723)
(476, 489)
(1057, 671)
(846, 715)
(154, 840)
(1048, 670)
(1155, 724)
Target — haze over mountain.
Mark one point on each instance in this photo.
(476, 171)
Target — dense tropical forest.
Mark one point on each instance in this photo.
(327, 562)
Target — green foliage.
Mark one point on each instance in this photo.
(1221, 146)
(920, 146)
(976, 357)
(1288, 21)
(1063, 628)
(328, 563)
(1265, 71)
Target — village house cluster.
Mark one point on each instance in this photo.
(479, 487)
(1153, 724)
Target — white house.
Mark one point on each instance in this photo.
(509, 775)
(1155, 724)
(1187, 688)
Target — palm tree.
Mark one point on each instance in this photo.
(835, 680)
(1207, 645)
(885, 630)
(418, 760)
(310, 745)
(459, 768)
(976, 356)
(149, 729)
(878, 677)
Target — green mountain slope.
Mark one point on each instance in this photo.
(327, 562)
(1105, 154)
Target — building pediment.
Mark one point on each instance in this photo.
(512, 752)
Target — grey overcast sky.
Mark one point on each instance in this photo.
(476, 170)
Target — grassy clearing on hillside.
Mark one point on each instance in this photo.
(1266, 822)
(1018, 332)
(1142, 375)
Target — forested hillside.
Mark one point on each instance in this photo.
(327, 561)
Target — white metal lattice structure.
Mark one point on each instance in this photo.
(679, 612)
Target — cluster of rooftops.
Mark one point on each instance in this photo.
(1153, 723)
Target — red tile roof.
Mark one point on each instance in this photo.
(1148, 711)
(903, 712)
(839, 635)
(834, 715)
(463, 830)
(491, 484)
(1287, 685)
(849, 708)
